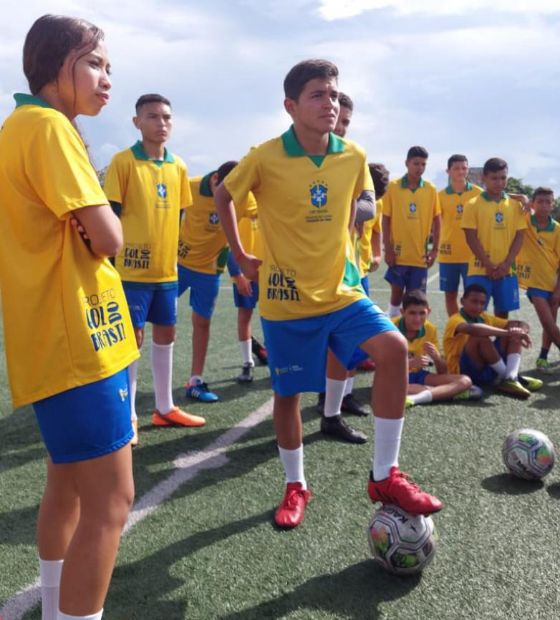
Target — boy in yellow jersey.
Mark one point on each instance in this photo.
(470, 350)
(148, 187)
(537, 267)
(454, 253)
(306, 183)
(494, 224)
(202, 258)
(423, 351)
(411, 211)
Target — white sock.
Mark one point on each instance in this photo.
(333, 397)
(50, 587)
(162, 371)
(195, 379)
(292, 461)
(422, 398)
(393, 311)
(96, 616)
(133, 381)
(386, 446)
(245, 346)
(349, 386)
(512, 366)
(499, 367)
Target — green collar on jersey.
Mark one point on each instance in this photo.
(469, 319)
(294, 149)
(404, 183)
(487, 197)
(205, 185)
(23, 99)
(402, 328)
(450, 190)
(139, 153)
(548, 228)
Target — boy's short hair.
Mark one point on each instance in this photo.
(417, 151)
(494, 164)
(380, 177)
(345, 101)
(415, 298)
(152, 98)
(456, 159)
(225, 169)
(306, 70)
(543, 191)
(474, 288)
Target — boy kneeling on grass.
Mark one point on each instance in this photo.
(424, 351)
(487, 348)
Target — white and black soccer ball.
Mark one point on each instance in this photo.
(528, 454)
(402, 543)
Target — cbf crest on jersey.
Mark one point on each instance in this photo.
(459, 208)
(499, 217)
(213, 218)
(161, 190)
(412, 207)
(318, 192)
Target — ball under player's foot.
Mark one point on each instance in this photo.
(177, 417)
(350, 404)
(336, 426)
(246, 375)
(398, 489)
(292, 508)
(134, 440)
(199, 390)
(259, 351)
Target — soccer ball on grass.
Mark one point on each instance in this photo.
(528, 454)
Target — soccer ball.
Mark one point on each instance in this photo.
(528, 454)
(402, 543)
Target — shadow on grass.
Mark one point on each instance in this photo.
(554, 490)
(506, 484)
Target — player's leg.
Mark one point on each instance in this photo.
(506, 296)
(551, 333)
(449, 278)
(396, 278)
(244, 316)
(447, 387)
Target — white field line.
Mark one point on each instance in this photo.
(187, 466)
(432, 278)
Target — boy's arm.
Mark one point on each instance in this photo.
(375, 251)
(483, 330)
(432, 351)
(436, 233)
(100, 228)
(476, 248)
(503, 268)
(390, 257)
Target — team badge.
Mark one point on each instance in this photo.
(540, 242)
(123, 394)
(213, 218)
(499, 217)
(412, 207)
(161, 190)
(318, 195)
(459, 208)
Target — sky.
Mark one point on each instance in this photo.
(479, 77)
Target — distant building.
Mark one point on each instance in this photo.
(475, 176)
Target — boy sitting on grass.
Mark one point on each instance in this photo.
(487, 348)
(423, 351)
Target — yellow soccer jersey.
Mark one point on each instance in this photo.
(539, 259)
(304, 208)
(66, 320)
(428, 333)
(453, 246)
(412, 213)
(202, 242)
(364, 242)
(496, 223)
(453, 343)
(152, 194)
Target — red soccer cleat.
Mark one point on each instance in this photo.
(367, 365)
(397, 489)
(291, 510)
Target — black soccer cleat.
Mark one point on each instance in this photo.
(335, 426)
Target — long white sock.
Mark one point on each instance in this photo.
(512, 366)
(195, 379)
(393, 311)
(349, 386)
(499, 367)
(292, 461)
(50, 587)
(333, 397)
(96, 616)
(386, 446)
(133, 381)
(421, 398)
(162, 371)
(245, 346)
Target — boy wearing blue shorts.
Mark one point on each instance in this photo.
(411, 212)
(538, 265)
(494, 223)
(487, 348)
(306, 183)
(454, 253)
(148, 187)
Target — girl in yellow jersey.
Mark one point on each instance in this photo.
(69, 337)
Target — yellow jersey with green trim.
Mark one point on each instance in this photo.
(363, 243)
(66, 320)
(202, 241)
(453, 343)
(428, 333)
(539, 259)
(304, 207)
(152, 194)
(453, 246)
(496, 223)
(412, 212)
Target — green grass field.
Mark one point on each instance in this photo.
(210, 551)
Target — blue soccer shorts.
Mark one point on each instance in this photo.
(504, 292)
(538, 292)
(157, 305)
(246, 301)
(450, 276)
(409, 278)
(204, 289)
(484, 376)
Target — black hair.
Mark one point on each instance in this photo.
(303, 72)
(417, 151)
(415, 298)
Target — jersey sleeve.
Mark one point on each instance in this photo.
(469, 216)
(250, 207)
(60, 171)
(244, 178)
(521, 219)
(437, 203)
(495, 321)
(433, 337)
(376, 227)
(364, 182)
(115, 181)
(186, 194)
